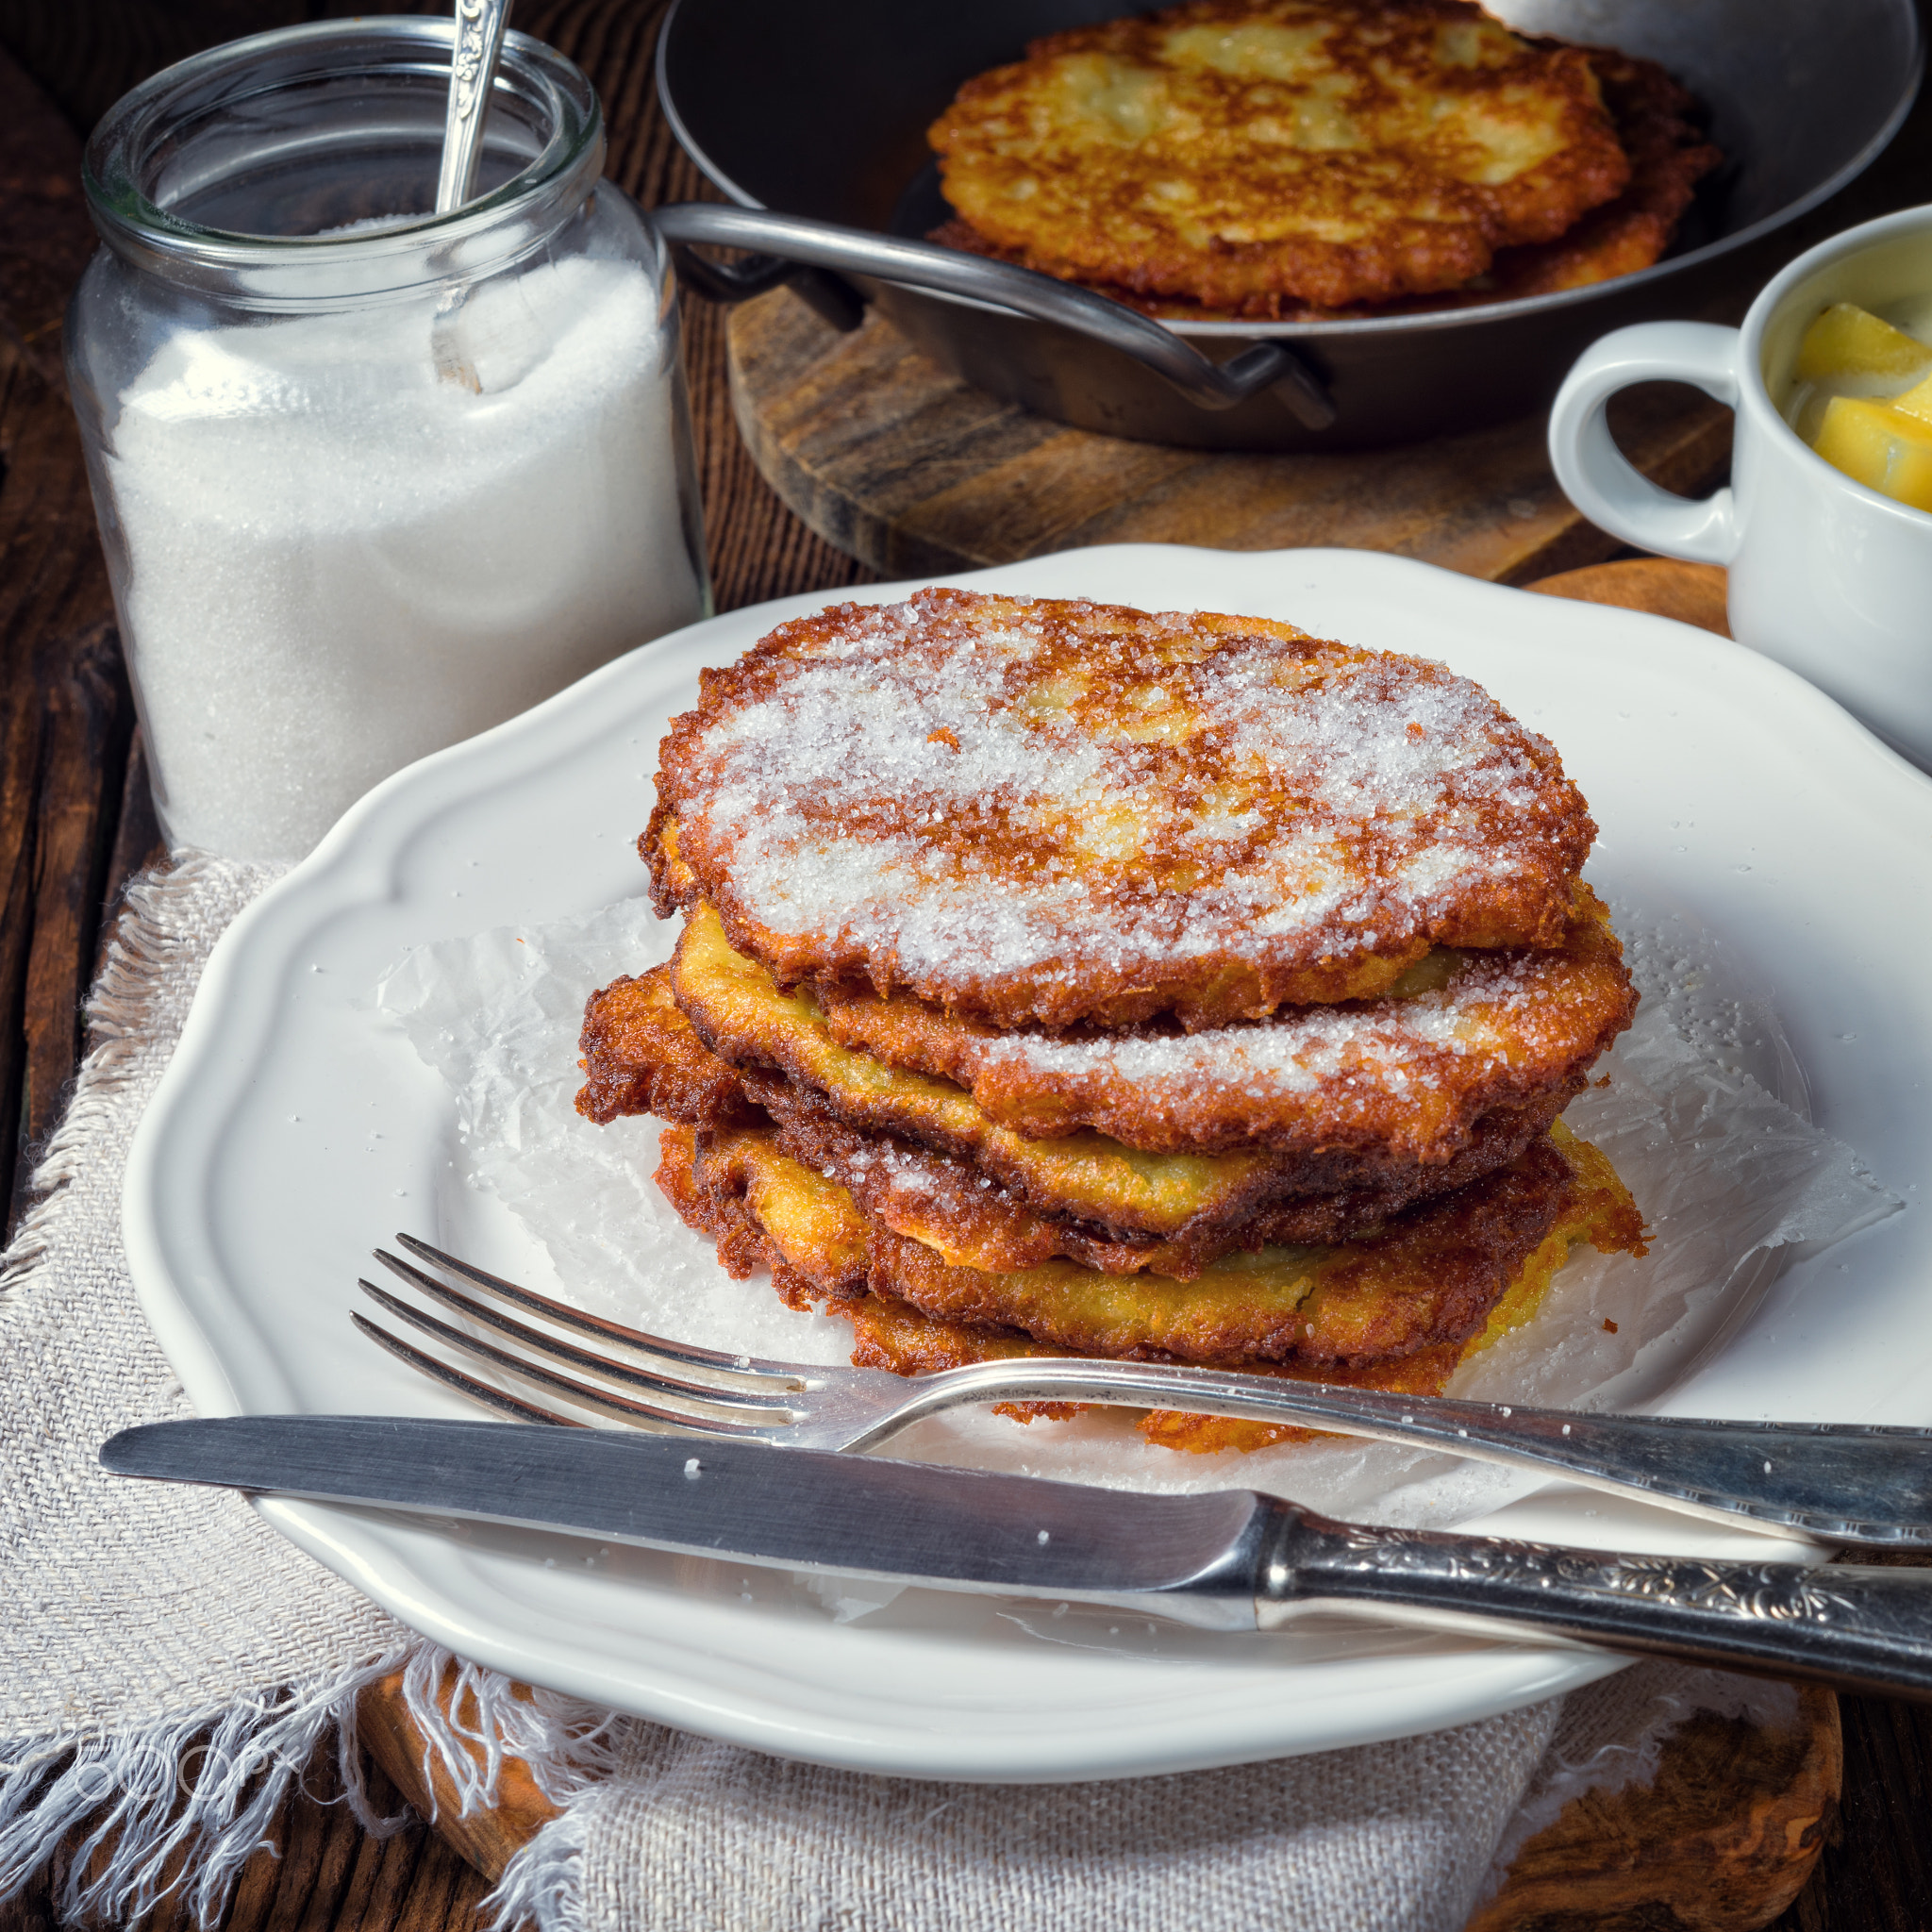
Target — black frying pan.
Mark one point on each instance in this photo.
(811, 116)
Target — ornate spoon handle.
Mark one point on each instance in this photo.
(1858, 1628)
(473, 71)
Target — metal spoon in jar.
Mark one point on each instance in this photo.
(474, 55)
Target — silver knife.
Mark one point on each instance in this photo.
(1232, 1559)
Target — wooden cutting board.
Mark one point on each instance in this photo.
(915, 474)
(1721, 1841)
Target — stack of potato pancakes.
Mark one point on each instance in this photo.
(1062, 979)
(1290, 160)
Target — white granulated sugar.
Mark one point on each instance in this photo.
(932, 791)
(1311, 1049)
(1432, 868)
(339, 562)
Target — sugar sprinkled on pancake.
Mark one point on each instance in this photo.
(1459, 1032)
(1040, 811)
(928, 1149)
(1396, 1079)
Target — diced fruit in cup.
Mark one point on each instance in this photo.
(1850, 342)
(1880, 445)
(1862, 399)
(1917, 401)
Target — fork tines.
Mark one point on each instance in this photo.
(737, 1396)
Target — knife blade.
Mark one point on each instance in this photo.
(1230, 1559)
(965, 1529)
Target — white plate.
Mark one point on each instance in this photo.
(293, 1130)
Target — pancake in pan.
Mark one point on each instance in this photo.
(1669, 155)
(1046, 812)
(1328, 150)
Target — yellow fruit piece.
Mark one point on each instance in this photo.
(1916, 401)
(1880, 446)
(1850, 341)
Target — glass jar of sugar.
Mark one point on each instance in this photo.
(369, 478)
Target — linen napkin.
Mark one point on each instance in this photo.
(140, 1621)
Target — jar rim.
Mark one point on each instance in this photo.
(414, 249)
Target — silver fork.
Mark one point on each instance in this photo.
(1833, 1482)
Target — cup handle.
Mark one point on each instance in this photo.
(1596, 475)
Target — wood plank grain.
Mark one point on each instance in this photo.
(915, 473)
(1691, 592)
(137, 842)
(1875, 1875)
(1721, 1840)
(58, 695)
(489, 1838)
(87, 724)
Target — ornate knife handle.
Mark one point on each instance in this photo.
(1857, 1629)
(791, 244)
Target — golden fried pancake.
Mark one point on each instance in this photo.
(640, 1056)
(822, 1260)
(956, 1210)
(1334, 151)
(1458, 1033)
(1081, 1195)
(1083, 1175)
(893, 1336)
(826, 1259)
(1668, 156)
(1044, 811)
(1429, 1278)
(889, 1334)
(1345, 1096)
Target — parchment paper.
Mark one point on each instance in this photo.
(1728, 1172)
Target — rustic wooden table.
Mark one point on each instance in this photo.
(76, 820)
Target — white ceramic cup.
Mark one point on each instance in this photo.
(1825, 575)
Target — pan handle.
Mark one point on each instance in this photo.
(801, 244)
